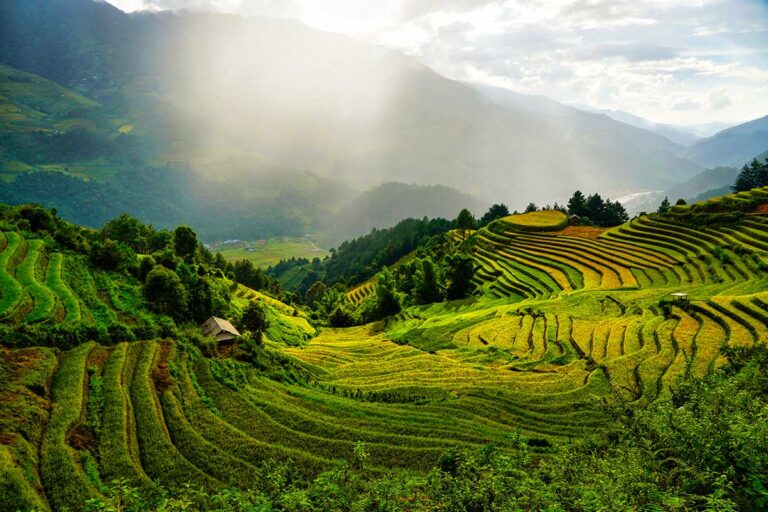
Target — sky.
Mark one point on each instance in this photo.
(680, 62)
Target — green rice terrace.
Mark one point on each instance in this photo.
(564, 323)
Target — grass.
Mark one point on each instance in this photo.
(265, 253)
(10, 288)
(117, 440)
(42, 298)
(66, 485)
(16, 493)
(160, 459)
(55, 282)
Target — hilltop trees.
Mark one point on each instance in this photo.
(596, 210)
(752, 176)
(577, 205)
(497, 211)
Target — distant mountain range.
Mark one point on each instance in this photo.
(677, 134)
(733, 146)
(250, 107)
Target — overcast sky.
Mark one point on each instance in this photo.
(673, 61)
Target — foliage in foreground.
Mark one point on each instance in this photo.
(703, 447)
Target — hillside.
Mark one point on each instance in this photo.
(733, 146)
(386, 205)
(565, 320)
(677, 134)
(329, 105)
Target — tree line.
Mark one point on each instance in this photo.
(754, 175)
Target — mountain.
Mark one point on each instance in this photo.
(387, 204)
(712, 181)
(704, 130)
(733, 146)
(679, 135)
(241, 101)
(590, 119)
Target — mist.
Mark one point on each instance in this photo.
(271, 96)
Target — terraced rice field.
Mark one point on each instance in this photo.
(565, 324)
(31, 282)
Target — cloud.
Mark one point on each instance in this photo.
(637, 51)
(654, 58)
(687, 104)
(718, 100)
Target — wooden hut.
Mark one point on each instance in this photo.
(222, 331)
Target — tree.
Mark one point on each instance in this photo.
(464, 222)
(185, 242)
(255, 319)
(664, 206)
(165, 293)
(754, 175)
(427, 287)
(577, 205)
(112, 255)
(341, 316)
(39, 218)
(461, 269)
(531, 208)
(248, 274)
(614, 214)
(596, 209)
(128, 230)
(680, 202)
(497, 211)
(387, 301)
(315, 293)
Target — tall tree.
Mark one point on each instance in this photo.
(255, 319)
(596, 209)
(464, 222)
(461, 269)
(185, 242)
(427, 287)
(664, 206)
(531, 208)
(577, 205)
(615, 214)
(754, 175)
(387, 301)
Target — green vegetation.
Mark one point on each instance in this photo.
(500, 368)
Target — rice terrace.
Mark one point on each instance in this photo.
(257, 257)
